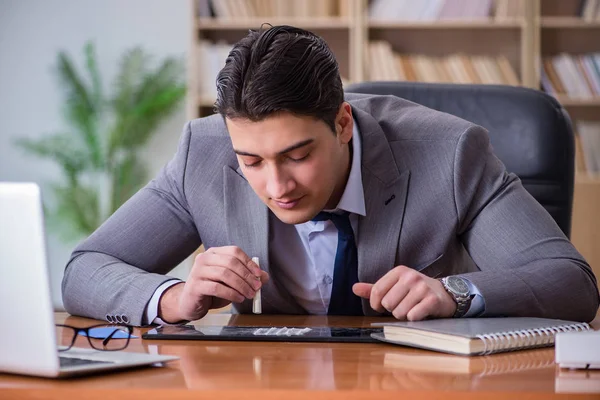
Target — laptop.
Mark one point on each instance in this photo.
(27, 340)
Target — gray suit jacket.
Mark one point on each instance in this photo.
(437, 200)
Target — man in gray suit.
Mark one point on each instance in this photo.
(361, 205)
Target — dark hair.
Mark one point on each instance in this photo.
(280, 69)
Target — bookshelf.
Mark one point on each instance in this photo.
(568, 22)
(524, 33)
(569, 102)
(562, 30)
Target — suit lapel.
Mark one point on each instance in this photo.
(385, 186)
(247, 219)
(379, 230)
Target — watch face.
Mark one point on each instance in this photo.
(458, 285)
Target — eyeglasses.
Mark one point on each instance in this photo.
(105, 337)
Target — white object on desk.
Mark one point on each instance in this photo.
(578, 350)
(257, 302)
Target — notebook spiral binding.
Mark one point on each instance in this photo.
(527, 338)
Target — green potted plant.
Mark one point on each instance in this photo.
(99, 151)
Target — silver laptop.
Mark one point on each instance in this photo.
(28, 343)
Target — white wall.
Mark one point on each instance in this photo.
(31, 34)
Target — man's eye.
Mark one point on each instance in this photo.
(299, 159)
(252, 165)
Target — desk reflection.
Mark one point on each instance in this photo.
(577, 381)
(147, 377)
(411, 369)
(339, 366)
(313, 366)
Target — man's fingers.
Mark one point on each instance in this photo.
(236, 252)
(254, 268)
(264, 277)
(228, 278)
(382, 287)
(423, 310)
(229, 262)
(395, 296)
(408, 298)
(217, 289)
(362, 289)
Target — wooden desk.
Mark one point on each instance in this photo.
(263, 370)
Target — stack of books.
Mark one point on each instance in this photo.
(432, 10)
(385, 65)
(577, 76)
(247, 9)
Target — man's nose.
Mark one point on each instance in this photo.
(278, 183)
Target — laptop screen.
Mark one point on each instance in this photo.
(27, 343)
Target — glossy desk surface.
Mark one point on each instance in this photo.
(277, 370)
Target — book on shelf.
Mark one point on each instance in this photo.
(509, 10)
(476, 336)
(496, 364)
(203, 9)
(507, 71)
(249, 9)
(447, 10)
(383, 64)
(588, 133)
(580, 168)
(577, 76)
(589, 10)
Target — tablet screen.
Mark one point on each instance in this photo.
(264, 333)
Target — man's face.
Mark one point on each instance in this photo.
(295, 164)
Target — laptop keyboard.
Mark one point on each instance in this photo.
(74, 362)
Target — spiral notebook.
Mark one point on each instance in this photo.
(476, 336)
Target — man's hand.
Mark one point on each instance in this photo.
(220, 275)
(408, 295)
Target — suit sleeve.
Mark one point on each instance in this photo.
(527, 265)
(118, 268)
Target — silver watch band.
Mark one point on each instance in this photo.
(462, 306)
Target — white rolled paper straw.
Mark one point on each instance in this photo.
(256, 303)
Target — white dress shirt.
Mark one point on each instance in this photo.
(305, 253)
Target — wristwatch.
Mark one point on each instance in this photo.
(459, 290)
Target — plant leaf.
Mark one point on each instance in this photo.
(59, 148)
(92, 69)
(81, 112)
(101, 163)
(78, 207)
(154, 99)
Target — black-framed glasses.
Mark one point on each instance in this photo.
(105, 337)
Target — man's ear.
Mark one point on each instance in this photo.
(344, 123)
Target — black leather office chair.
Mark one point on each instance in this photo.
(529, 130)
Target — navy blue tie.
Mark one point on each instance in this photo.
(345, 272)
